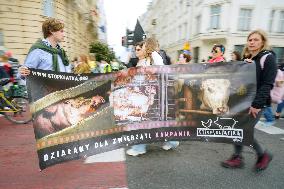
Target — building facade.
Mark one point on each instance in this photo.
(207, 22)
(21, 20)
(101, 21)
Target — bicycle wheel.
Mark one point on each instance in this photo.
(23, 115)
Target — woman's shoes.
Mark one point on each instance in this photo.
(277, 116)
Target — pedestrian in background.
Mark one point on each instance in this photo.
(279, 109)
(257, 45)
(280, 106)
(4, 78)
(163, 54)
(235, 56)
(150, 50)
(218, 52)
(131, 58)
(165, 57)
(82, 65)
(184, 58)
(4, 63)
(46, 53)
(140, 54)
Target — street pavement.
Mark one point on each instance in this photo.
(192, 165)
(19, 166)
(197, 165)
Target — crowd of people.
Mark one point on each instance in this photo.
(47, 54)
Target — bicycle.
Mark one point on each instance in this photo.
(15, 107)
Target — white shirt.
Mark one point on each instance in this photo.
(157, 60)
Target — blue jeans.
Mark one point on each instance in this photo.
(280, 106)
(142, 147)
(269, 116)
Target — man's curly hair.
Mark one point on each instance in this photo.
(51, 25)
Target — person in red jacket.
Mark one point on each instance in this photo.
(217, 54)
(4, 59)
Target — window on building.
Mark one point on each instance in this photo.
(188, 3)
(154, 21)
(281, 21)
(198, 24)
(199, 2)
(245, 19)
(181, 5)
(177, 31)
(196, 55)
(185, 31)
(1, 39)
(48, 8)
(180, 32)
(271, 18)
(279, 51)
(215, 16)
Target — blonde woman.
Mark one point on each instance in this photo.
(152, 57)
(83, 65)
(267, 111)
(257, 47)
(151, 48)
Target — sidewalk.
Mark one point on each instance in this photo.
(19, 165)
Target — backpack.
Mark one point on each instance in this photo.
(277, 92)
(165, 57)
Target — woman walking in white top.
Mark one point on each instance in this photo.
(147, 54)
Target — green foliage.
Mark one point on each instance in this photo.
(102, 52)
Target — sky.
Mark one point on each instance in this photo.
(122, 14)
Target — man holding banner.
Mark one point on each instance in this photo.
(257, 45)
(46, 54)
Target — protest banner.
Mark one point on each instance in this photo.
(80, 115)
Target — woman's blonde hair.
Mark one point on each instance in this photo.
(151, 45)
(263, 35)
(264, 39)
(246, 54)
(84, 58)
(83, 66)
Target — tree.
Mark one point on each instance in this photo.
(102, 52)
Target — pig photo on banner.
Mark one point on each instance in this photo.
(76, 116)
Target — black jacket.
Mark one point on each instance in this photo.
(4, 77)
(265, 79)
(165, 57)
(281, 66)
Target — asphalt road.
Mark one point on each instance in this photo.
(197, 165)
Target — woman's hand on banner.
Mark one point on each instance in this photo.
(247, 60)
(24, 71)
(254, 111)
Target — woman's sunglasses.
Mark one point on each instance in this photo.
(214, 51)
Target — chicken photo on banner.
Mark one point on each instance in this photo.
(136, 97)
